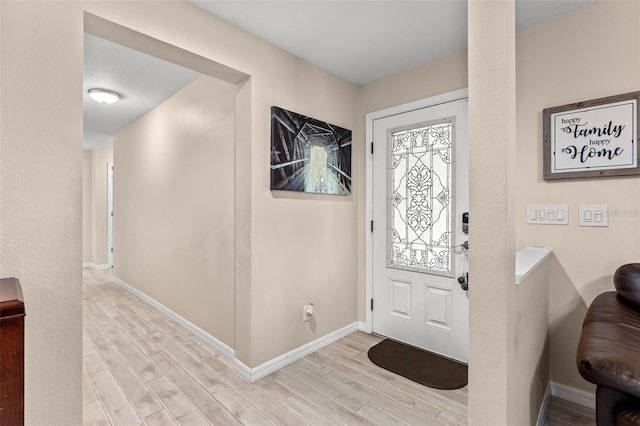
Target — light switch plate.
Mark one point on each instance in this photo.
(594, 215)
(548, 214)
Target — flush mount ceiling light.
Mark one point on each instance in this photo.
(104, 96)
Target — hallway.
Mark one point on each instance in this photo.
(141, 368)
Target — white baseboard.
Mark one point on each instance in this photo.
(362, 326)
(94, 266)
(105, 266)
(253, 374)
(571, 394)
(209, 339)
(544, 406)
(249, 374)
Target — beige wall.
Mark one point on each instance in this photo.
(591, 53)
(491, 232)
(87, 203)
(551, 71)
(41, 191)
(272, 289)
(303, 246)
(94, 202)
(174, 224)
(41, 227)
(528, 370)
(565, 60)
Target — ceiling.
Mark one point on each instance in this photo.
(360, 41)
(143, 81)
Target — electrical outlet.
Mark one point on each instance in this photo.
(307, 312)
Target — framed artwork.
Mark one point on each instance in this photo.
(309, 155)
(593, 138)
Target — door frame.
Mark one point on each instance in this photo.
(110, 184)
(369, 120)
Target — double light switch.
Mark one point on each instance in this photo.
(594, 215)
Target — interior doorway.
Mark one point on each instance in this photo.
(208, 310)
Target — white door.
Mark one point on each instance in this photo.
(420, 191)
(110, 215)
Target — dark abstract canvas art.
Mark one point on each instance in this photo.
(309, 155)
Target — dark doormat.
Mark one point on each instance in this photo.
(419, 365)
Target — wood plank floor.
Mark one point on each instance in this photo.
(142, 368)
(563, 412)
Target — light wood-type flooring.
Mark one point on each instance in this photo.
(142, 368)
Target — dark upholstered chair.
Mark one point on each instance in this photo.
(609, 349)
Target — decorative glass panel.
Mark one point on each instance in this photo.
(420, 181)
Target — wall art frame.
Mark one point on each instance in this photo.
(309, 155)
(589, 139)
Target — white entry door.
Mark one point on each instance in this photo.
(420, 191)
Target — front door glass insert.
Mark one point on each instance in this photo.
(420, 174)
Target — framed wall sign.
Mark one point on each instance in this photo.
(593, 138)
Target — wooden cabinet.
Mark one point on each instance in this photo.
(12, 314)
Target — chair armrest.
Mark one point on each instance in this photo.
(608, 355)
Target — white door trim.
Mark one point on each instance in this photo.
(369, 119)
(110, 215)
